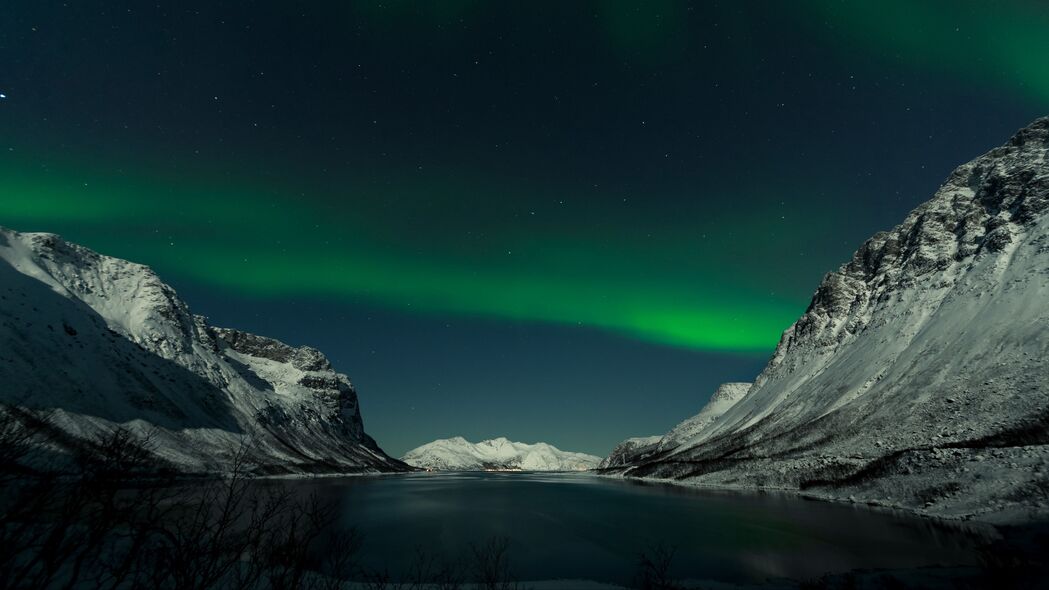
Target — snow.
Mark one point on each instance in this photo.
(631, 450)
(934, 336)
(458, 454)
(104, 342)
(638, 449)
(690, 430)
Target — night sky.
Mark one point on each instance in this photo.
(563, 221)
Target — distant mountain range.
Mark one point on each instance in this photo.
(918, 376)
(459, 454)
(99, 342)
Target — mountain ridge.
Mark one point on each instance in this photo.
(102, 342)
(459, 454)
(927, 344)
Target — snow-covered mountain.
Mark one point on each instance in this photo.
(459, 454)
(636, 450)
(102, 342)
(726, 396)
(630, 451)
(919, 375)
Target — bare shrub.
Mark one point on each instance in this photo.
(428, 571)
(114, 517)
(653, 569)
(107, 513)
(491, 565)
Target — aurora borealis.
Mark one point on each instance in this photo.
(504, 220)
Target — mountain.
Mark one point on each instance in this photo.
(99, 342)
(726, 396)
(459, 454)
(636, 450)
(919, 374)
(630, 451)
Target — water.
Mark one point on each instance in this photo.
(569, 526)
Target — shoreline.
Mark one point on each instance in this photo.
(969, 521)
(994, 525)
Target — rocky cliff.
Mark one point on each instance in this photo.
(919, 375)
(100, 342)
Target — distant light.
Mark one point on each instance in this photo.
(2, 95)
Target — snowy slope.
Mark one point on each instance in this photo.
(935, 336)
(637, 450)
(685, 433)
(103, 341)
(630, 451)
(458, 454)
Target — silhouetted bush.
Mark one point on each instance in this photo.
(491, 565)
(107, 513)
(653, 569)
(427, 571)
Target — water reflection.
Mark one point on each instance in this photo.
(576, 526)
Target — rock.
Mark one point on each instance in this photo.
(631, 452)
(948, 298)
(151, 365)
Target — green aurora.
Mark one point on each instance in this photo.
(706, 276)
(254, 240)
(1000, 43)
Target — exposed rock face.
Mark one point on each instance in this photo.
(931, 343)
(459, 454)
(337, 411)
(104, 342)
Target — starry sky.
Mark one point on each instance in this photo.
(557, 221)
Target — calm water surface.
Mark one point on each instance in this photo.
(576, 526)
